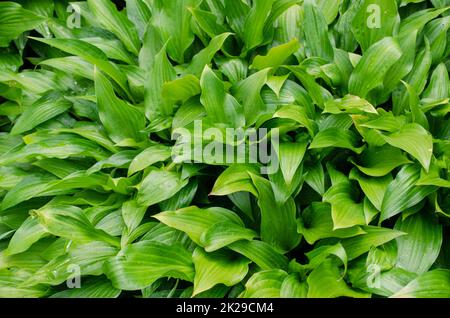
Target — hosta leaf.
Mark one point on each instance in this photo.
(373, 188)
(224, 233)
(108, 16)
(195, 221)
(15, 20)
(265, 284)
(373, 66)
(316, 32)
(432, 284)
(325, 282)
(336, 137)
(148, 157)
(418, 250)
(27, 234)
(71, 223)
(154, 259)
(123, 122)
(217, 268)
(276, 55)
(402, 193)
(95, 288)
(344, 210)
(379, 161)
(316, 223)
(374, 20)
(158, 186)
(236, 178)
(261, 253)
(374, 236)
(415, 140)
(278, 226)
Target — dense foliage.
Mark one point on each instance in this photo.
(94, 203)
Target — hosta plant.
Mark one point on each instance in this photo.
(224, 148)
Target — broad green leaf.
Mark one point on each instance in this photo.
(276, 56)
(253, 29)
(379, 161)
(154, 259)
(94, 288)
(325, 282)
(316, 32)
(195, 221)
(316, 223)
(224, 233)
(14, 20)
(71, 223)
(336, 137)
(148, 157)
(402, 193)
(419, 248)
(415, 140)
(235, 178)
(217, 268)
(261, 253)
(374, 236)
(373, 66)
(373, 188)
(172, 20)
(122, 121)
(220, 106)
(349, 104)
(118, 23)
(158, 186)
(265, 284)
(345, 211)
(278, 226)
(27, 234)
(375, 20)
(432, 284)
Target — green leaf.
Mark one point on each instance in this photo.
(224, 233)
(26, 235)
(217, 268)
(122, 121)
(336, 137)
(253, 29)
(154, 259)
(71, 223)
(94, 288)
(402, 193)
(316, 223)
(276, 56)
(379, 161)
(419, 248)
(15, 20)
(375, 20)
(432, 284)
(415, 140)
(325, 282)
(158, 186)
(261, 253)
(234, 179)
(373, 66)
(195, 221)
(265, 284)
(345, 211)
(107, 15)
(316, 32)
(373, 188)
(374, 236)
(278, 226)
